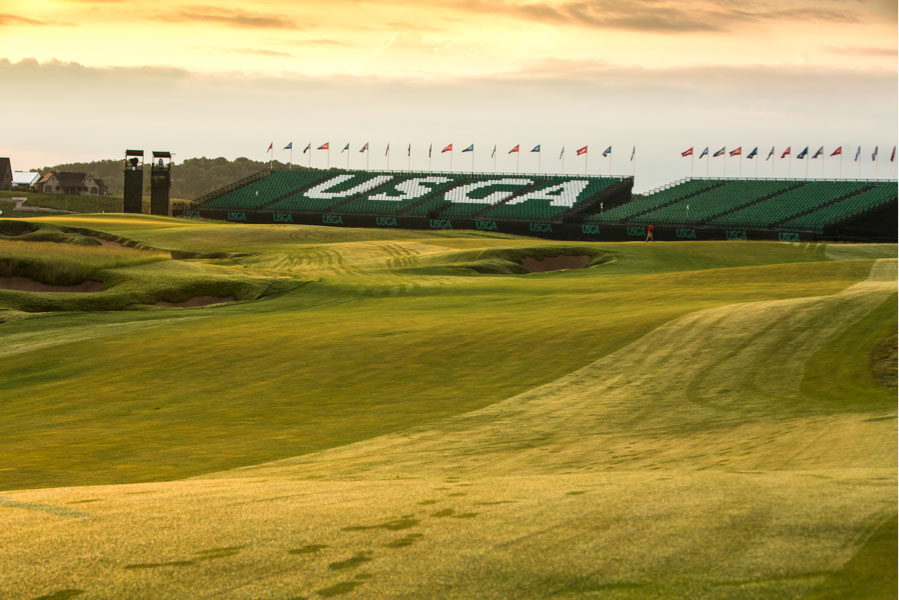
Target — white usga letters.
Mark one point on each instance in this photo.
(492, 191)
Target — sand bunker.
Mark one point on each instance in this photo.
(107, 243)
(197, 301)
(23, 284)
(555, 263)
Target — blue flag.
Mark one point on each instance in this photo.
(753, 153)
(819, 152)
(307, 148)
(345, 148)
(469, 149)
(857, 154)
(719, 152)
(803, 154)
(704, 152)
(536, 148)
(607, 151)
(874, 156)
(289, 146)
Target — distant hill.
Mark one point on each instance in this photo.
(190, 179)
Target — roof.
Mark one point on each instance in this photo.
(161, 154)
(25, 177)
(45, 177)
(5, 167)
(68, 179)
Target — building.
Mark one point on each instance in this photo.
(24, 180)
(5, 174)
(70, 183)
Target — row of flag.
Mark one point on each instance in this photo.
(449, 148)
(801, 155)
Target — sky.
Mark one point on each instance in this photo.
(86, 79)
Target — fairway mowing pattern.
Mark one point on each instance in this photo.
(691, 462)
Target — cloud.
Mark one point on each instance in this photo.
(256, 51)
(862, 51)
(321, 42)
(230, 18)
(658, 16)
(9, 20)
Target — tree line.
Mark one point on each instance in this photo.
(190, 179)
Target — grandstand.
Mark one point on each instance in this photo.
(569, 207)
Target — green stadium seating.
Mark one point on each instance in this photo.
(403, 193)
(625, 212)
(265, 190)
(805, 196)
(841, 210)
(550, 197)
(715, 201)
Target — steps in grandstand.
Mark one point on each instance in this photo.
(611, 197)
(756, 201)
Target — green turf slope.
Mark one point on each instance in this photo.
(680, 420)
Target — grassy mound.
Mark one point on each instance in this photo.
(676, 420)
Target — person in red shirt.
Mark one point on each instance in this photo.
(649, 237)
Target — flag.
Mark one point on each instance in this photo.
(270, 146)
(289, 146)
(607, 151)
(430, 148)
(786, 152)
(687, 152)
(802, 154)
(857, 154)
(837, 152)
(409, 150)
(469, 149)
(633, 153)
(364, 148)
(581, 151)
(819, 152)
(345, 148)
(324, 146)
(874, 156)
(449, 148)
(536, 148)
(492, 154)
(562, 153)
(704, 152)
(770, 154)
(387, 151)
(307, 148)
(737, 151)
(753, 152)
(719, 152)
(893, 155)
(515, 149)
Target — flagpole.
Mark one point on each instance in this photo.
(708, 164)
(806, 166)
(451, 161)
(409, 156)
(610, 164)
(691, 164)
(472, 160)
(494, 158)
(290, 164)
(539, 161)
(518, 160)
(756, 157)
(634, 162)
(367, 157)
(586, 156)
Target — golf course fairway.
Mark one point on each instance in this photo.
(304, 412)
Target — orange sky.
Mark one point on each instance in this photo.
(447, 38)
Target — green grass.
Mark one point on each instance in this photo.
(682, 380)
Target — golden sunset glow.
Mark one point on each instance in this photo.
(464, 38)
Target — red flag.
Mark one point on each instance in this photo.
(737, 151)
(582, 151)
(837, 152)
(270, 146)
(324, 146)
(786, 152)
(515, 149)
(449, 148)
(893, 154)
(688, 152)
(386, 152)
